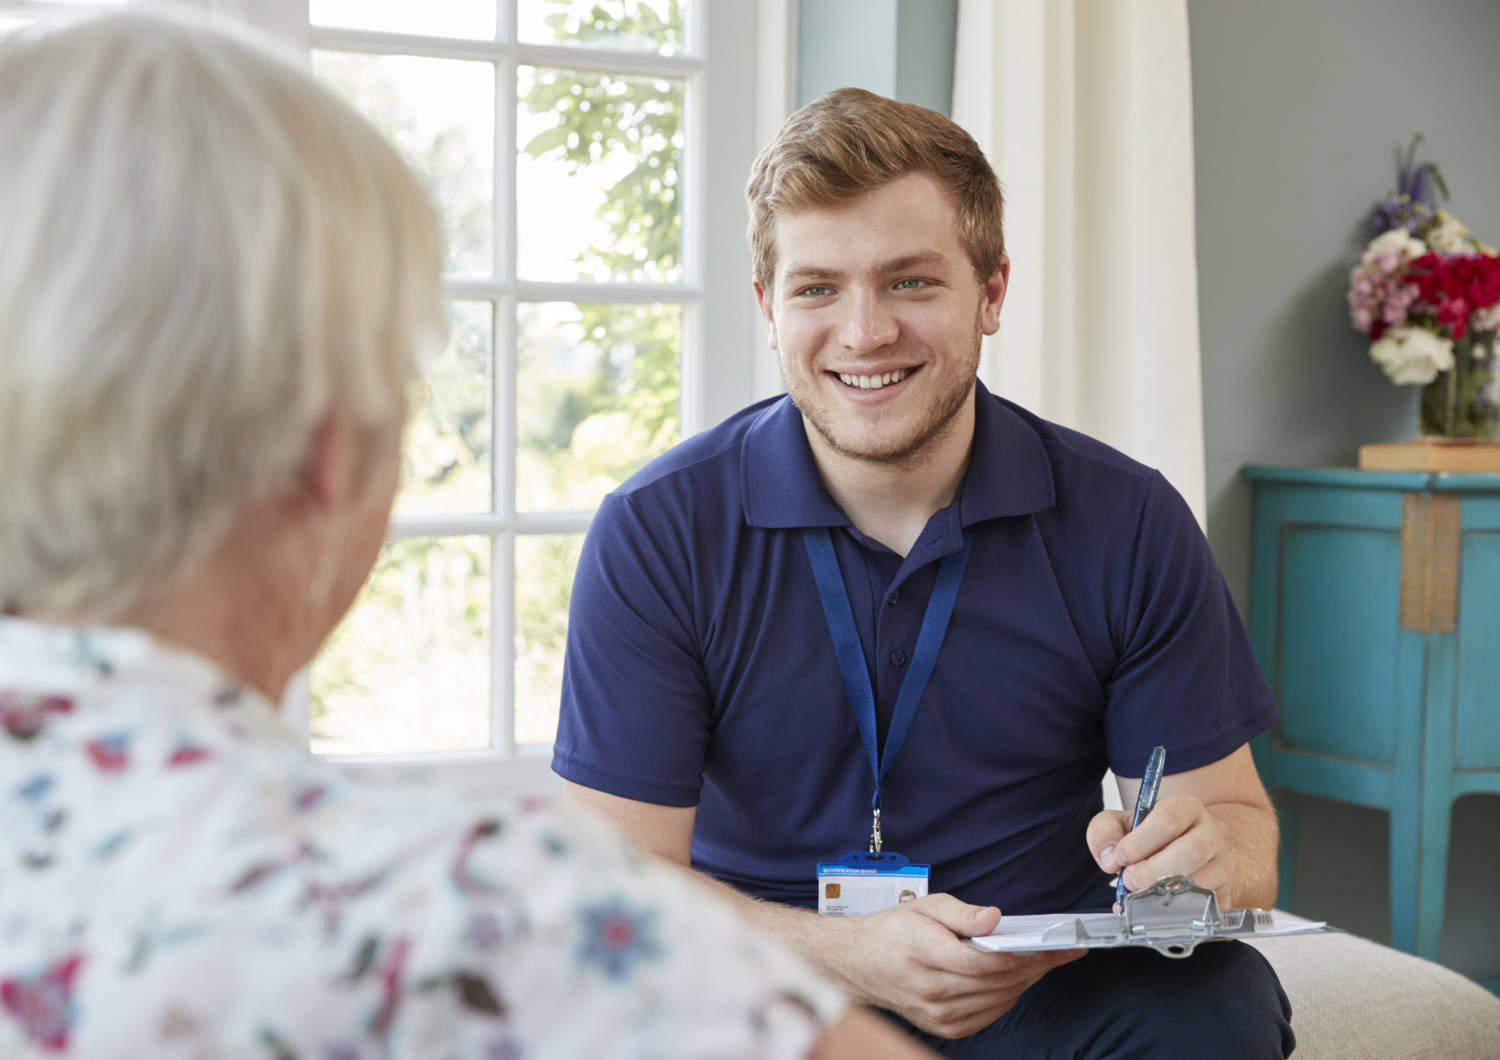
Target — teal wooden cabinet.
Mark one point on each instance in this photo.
(1375, 616)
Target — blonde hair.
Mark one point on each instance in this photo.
(205, 253)
(851, 141)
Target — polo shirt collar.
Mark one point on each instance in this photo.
(1009, 475)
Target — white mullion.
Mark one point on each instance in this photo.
(633, 293)
(554, 523)
(457, 524)
(502, 570)
(504, 165)
(606, 61)
(503, 398)
(480, 288)
(376, 42)
(502, 645)
(692, 202)
(593, 60)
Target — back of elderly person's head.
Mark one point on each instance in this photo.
(204, 254)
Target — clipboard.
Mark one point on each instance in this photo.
(1172, 916)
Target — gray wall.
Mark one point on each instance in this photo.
(1298, 109)
(899, 48)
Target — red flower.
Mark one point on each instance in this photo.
(1455, 285)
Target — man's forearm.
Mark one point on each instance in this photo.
(823, 941)
(1253, 838)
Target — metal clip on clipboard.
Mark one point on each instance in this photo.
(1171, 916)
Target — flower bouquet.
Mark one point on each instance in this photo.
(1428, 295)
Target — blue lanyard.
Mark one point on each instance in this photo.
(851, 657)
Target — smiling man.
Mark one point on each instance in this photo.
(893, 611)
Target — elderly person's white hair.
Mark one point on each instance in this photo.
(204, 253)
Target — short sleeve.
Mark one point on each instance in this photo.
(1185, 675)
(636, 712)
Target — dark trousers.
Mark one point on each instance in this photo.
(1223, 1002)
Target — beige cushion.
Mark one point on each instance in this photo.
(1353, 998)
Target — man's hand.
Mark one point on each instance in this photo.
(1179, 837)
(1214, 823)
(912, 960)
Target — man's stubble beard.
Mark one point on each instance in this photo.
(928, 434)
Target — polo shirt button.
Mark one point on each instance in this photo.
(898, 657)
(894, 598)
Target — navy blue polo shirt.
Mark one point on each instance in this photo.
(1092, 624)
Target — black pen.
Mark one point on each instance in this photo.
(1144, 801)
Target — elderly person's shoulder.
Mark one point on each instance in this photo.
(183, 874)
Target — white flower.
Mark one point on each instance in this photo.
(1449, 235)
(1412, 355)
(1486, 319)
(1400, 244)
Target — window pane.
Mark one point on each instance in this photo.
(597, 177)
(472, 19)
(544, 578)
(596, 397)
(408, 669)
(625, 25)
(446, 457)
(441, 113)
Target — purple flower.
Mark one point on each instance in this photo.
(1413, 205)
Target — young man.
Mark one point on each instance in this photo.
(749, 606)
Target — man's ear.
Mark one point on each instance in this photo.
(994, 297)
(763, 299)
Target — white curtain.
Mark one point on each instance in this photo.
(1085, 109)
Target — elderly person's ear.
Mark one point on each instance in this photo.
(340, 503)
(339, 465)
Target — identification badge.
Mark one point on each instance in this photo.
(861, 883)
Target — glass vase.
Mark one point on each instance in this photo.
(1460, 403)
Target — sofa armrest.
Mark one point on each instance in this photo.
(1353, 998)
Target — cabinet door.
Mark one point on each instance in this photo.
(1326, 618)
(1476, 708)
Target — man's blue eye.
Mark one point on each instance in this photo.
(815, 291)
(911, 284)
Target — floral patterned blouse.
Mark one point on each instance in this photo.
(178, 878)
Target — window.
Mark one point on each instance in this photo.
(564, 372)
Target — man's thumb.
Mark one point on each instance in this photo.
(961, 918)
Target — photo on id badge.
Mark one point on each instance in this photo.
(845, 890)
